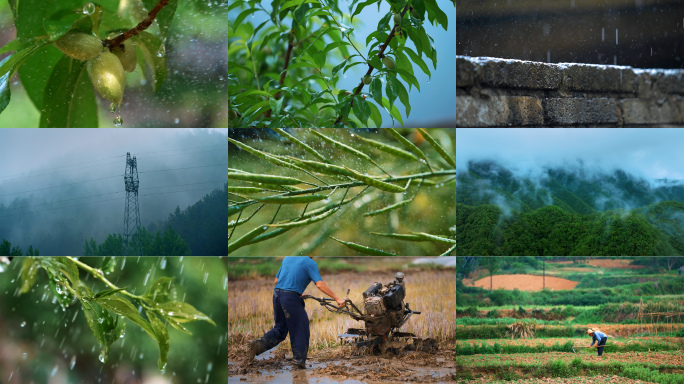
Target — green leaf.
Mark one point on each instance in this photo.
(340, 145)
(449, 159)
(411, 147)
(440, 239)
(376, 183)
(107, 292)
(29, 271)
(376, 90)
(361, 109)
(149, 45)
(439, 14)
(275, 106)
(392, 110)
(164, 17)
(388, 208)
(418, 60)
(99, 320)
(390, 149)
(391, 90)
(70, 100)
(162, 339)
(339, 66)
(108, 264)
(59, 24)
(400, 236)
(400, 90)
(14, 45)
(361, 6)
(293, 3)
(183, 312)
(126, 309)
(234, 245)
(375, 62)
(363, 249)
(298, 142)
(10, 64)
(375, 115)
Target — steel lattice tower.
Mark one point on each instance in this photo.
(132, 212)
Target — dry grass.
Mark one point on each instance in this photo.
(250, 306)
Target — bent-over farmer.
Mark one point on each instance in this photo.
(293, 277)
(597, 337)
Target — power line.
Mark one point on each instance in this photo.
(87, 181)
(103, 201)
(42, 172)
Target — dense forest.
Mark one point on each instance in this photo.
(562, 212)
(198, 230)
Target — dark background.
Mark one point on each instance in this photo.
(650, 33)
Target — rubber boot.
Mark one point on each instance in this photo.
(256, 347)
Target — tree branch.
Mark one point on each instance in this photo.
(370, 67)
(143, 25)
(282, 75)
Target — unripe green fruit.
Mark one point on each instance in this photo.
(389, 63)
(108, 76)
(397, 18)
(79, 45)
(232, 115)
(127, 55)
(367, 79)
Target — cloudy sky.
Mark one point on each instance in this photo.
(68, 183)
(646, 152)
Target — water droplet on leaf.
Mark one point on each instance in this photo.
(23, 324)
(89, 9)
(118, 121)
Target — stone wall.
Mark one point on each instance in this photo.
(500, 93)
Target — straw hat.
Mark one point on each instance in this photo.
(590, 331)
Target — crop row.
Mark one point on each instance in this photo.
(562, 367)
(466, 348)
(501, 331)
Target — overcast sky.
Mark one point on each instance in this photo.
(70, 181)
(646, 152)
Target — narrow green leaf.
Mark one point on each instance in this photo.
(439, 14)
(361, 6)
(149, 45)
(448, 251)
(275, 106)
(400, 236)
(418, 60)
(340, 145)
(234, 223)
(96, 317)
(310, 220)
(339, 66)
(233, 245)
(264, 156)
(375, 115)
(256, 178)
(361, 109)
(327, 169)
(377, 183)
(449, 159)
(70, 101)
(162, 339)
(10, 64)
(183, 312)
(245, 189)
(269, 235)
(390, 149)
(441, 239)
(388, 208)
(290, 199)
(411, 147)
(363, 249)
(400, 90)
(14, 45)
(233, 209)
(298, 142)
(391, 90)
(376, 90)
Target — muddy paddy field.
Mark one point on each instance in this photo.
(329, 361)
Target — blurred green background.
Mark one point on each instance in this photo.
(41, 343)
(432, 211)
(195, 92)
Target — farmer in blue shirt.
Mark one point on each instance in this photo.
(598, 337)
(293, 277)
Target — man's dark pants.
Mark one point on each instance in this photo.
(289, 316)
(601, 342)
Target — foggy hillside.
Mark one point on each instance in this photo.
(567, 211)
(58, 188)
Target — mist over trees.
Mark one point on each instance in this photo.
(564, 211)
(58, 207)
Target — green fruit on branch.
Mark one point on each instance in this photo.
(367, 79)
(232, 115)
(389, 63)
(397, 18)
(79, 45)
(127, 55)
(108, 76)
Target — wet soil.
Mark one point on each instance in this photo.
(338, 365)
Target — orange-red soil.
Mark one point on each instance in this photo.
(526, 282)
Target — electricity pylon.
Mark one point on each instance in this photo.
(132, 212)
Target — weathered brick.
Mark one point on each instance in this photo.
(498, 111)
(520, 74)
(650, 111)
(571, 111)
(599, 78)
(672, 81)
(465, 72)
